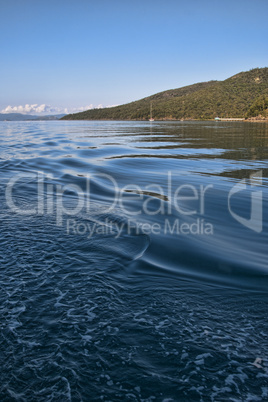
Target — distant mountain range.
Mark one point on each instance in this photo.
(242, 95)
(24, 117)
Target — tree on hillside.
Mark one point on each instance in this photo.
(259, 107)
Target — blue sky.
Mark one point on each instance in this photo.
(82, 53)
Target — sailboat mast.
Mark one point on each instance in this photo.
(151, 112)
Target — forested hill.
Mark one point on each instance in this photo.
(242, 95)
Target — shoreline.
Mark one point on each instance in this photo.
(234, 120)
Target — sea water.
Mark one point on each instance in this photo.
(133, 261)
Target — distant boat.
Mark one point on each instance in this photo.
(151, 112)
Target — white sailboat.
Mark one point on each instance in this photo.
(151, 112)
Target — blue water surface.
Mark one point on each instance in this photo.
(133, 261)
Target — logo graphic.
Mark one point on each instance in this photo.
(255, 221)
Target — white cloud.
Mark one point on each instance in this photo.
(32, 109)
(47, 109)
(79, 109)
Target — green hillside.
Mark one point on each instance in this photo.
(242, 95)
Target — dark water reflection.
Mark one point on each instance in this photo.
(95, 304)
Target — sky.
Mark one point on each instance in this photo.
(64, 56)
